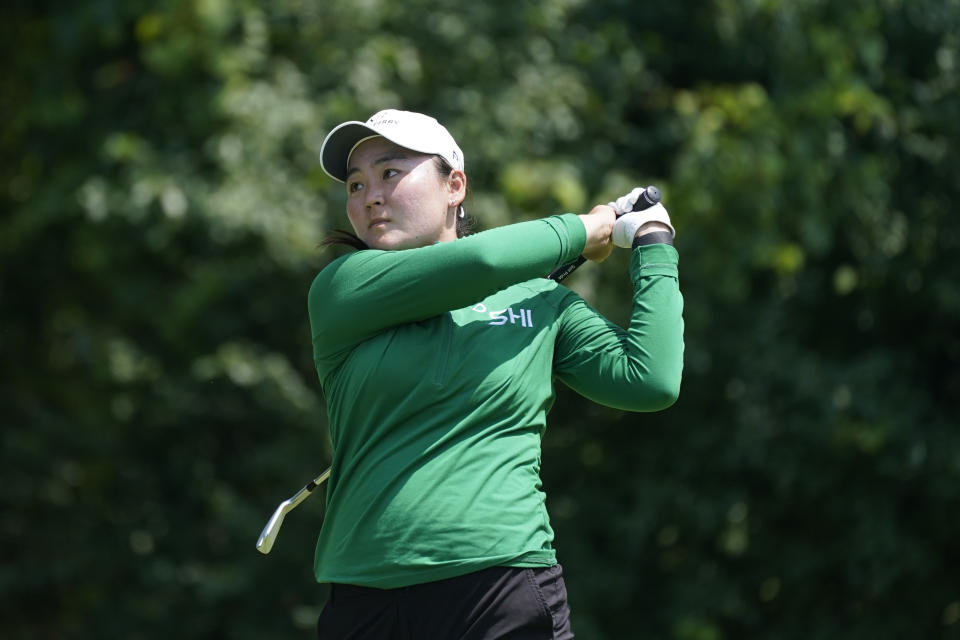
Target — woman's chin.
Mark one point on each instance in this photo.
(387, 242)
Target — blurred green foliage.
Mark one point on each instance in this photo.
(163, 202)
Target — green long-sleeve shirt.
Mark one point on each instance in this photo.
(437, 364)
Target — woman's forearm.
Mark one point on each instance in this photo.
(369, 291)
(638, 369)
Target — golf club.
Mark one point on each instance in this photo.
(649, 197)
(269, 533)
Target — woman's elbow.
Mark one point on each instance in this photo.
(655, 395)
(663, 396)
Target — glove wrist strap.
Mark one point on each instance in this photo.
(654, 237)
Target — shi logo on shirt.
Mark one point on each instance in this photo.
(501, 317)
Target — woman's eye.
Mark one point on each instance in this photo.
(389, 173)
(353, 186)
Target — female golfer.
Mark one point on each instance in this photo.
(437, 354)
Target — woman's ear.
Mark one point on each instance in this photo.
(457, 186)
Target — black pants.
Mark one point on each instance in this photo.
(500, 602)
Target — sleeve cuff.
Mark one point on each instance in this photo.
(572, 235)
(654, 260)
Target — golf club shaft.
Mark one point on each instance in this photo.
(649, 197)
(304, 493)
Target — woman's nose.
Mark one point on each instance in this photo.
(374, 198)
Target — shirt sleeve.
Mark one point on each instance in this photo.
(366, 292)
(638, 369)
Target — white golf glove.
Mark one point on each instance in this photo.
(629, 220)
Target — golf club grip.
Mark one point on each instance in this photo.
(649, 197)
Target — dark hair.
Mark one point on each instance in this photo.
(465, 224)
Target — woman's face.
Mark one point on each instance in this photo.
(396, 198)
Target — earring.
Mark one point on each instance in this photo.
(460, 212)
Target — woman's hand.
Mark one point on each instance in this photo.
(599, 225)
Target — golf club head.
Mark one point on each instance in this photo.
(269, 533)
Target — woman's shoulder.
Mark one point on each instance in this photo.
(344, 265)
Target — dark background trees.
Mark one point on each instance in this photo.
(163, 202)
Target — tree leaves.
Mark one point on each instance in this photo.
(164, 206)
